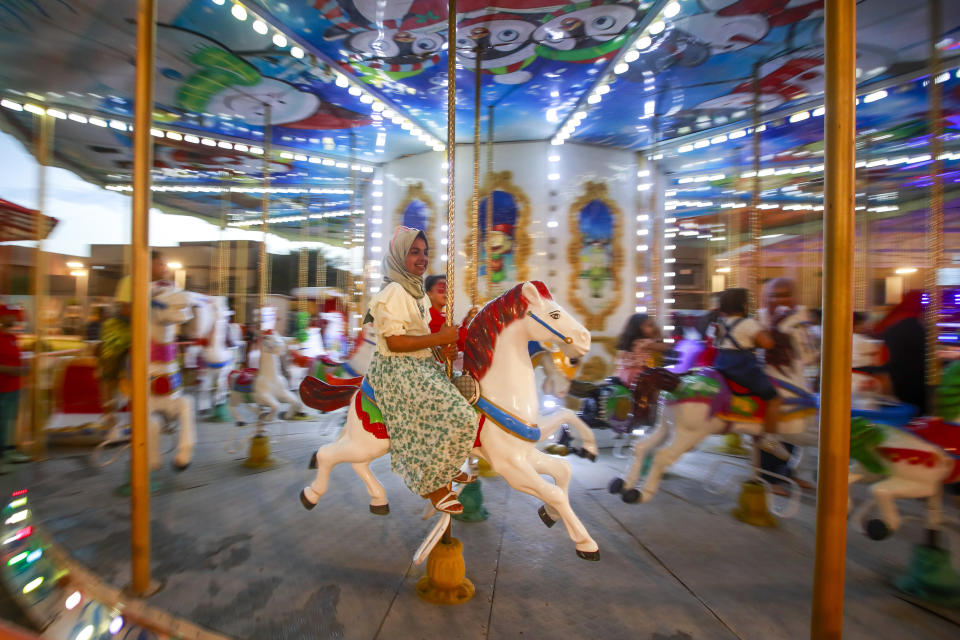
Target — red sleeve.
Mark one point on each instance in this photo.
(461, 341)
(436, 320)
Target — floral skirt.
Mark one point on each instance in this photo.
(432, 427)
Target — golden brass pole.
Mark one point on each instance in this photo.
(451, 156)
(839, 131)
(488, 224)
(140, 297)
(755, 279)
(243, 265)
(37, 443)
(935, 227)
(262, 267)
(475, 213)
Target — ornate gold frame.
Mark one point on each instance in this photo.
(596, 320)
(501, 181)
(415, 191)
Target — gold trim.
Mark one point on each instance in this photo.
(415, 191)
(594, 321)
(503, 181)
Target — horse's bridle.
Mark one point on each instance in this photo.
(566, 339)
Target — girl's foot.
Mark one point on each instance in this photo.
(464, 478)
(445, 500)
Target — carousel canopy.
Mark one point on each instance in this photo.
(19, 223)
(352, 84)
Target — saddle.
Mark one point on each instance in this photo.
(939, 432)
(242, 380)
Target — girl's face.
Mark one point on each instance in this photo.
(649, 329)
(438, 295)
(416, 262)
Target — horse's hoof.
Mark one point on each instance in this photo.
(877, 529)
(180, 467)
(547, 520)
(241, 424)
(380, 509)
(615, 485)
(303, 500)
(593, 556)
(313, 461)
(589, 455)
(630, 496)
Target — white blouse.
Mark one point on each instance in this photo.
(395, 313)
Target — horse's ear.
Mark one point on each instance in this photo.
(532, 294)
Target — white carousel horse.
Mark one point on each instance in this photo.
(356, 364)
(218, 358)
(497, 356)
(703, 403)
(169, 309)
(266, 386)
(559, 370)
(911, 459)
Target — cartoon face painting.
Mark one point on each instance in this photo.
(504, 43)
(579, 33)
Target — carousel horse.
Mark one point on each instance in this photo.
(497, 356)
(211, 329)
(169, 309)
(264, 387)
(913, 460)
(704, 403)
(350, 371)
(559, 371)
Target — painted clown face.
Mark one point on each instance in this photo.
(585, 28)
(396, 47)
(499, 243)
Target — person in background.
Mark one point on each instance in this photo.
(96, 324)
(904, 336)
(639, 345)
(11, 370)
(779, 310)
(436, 288)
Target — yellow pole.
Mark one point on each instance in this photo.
(451, 152)
(140, 284)
(475, 213)
(262, 267)
(935, 228)
(755, 279)
(488, 225)
(839, 131)
(37, 443)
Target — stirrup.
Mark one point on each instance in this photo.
(773, 446)
(448, 504)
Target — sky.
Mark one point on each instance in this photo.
(89, 215)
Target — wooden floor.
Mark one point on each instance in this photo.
(236, 553)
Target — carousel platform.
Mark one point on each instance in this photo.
(234, 552)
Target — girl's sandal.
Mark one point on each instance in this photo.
(448, 503)
(465, 478)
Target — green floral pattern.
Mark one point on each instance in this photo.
(432, 427)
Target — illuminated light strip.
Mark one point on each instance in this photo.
(19, 535)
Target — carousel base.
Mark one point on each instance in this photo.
(236, 554)
(931, 577)
(446, 581)
(752, 507)
(259, 454)
(472, 500)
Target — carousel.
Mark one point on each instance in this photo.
(675, 275)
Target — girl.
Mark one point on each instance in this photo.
(638, 346)
(432, 427)
(436, 288)
(737, 338)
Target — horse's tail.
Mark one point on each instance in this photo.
(324, 397)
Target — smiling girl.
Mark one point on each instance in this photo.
(432, 428)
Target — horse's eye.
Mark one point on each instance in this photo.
(555, 315)
(574, 362)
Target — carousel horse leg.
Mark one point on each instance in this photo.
(683, 441)
(153, 440)
(887, 492)
(378, 495)
(188, 433)
(352, 447)
(273, 408)
(523, 477)
(236, 399)
(557, 469)
(294, 407)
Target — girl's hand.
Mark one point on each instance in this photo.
(449, 352)
(447, 335)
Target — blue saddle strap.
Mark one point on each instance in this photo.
(508, 422)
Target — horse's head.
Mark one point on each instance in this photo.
(547, 321)
(171, 307)
(203, 316)
(273, 344)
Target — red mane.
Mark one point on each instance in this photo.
(489, 322)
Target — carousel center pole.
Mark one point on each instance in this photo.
(140, 303)
(445, 581)
(838, 220)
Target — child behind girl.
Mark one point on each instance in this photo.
(737, 338)
(638, 346)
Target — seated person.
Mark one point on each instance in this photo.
(639, 345)
(738, 336)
